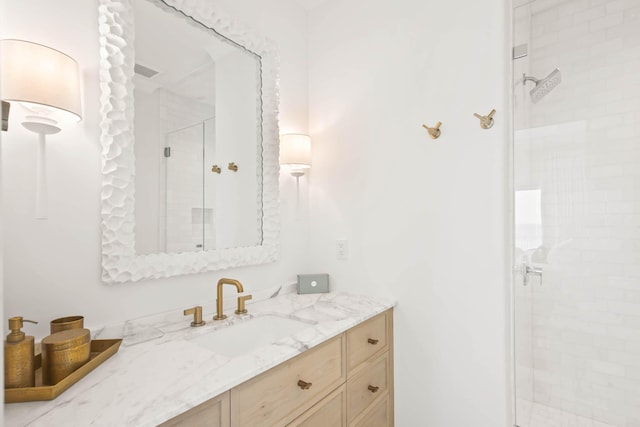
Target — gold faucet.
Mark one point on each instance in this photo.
(241, 309)
(197, 316)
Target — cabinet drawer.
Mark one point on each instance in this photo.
(377, 416)
(367, 339)
(329, 412)
(212, 413)
(366, 387)
(275, 397)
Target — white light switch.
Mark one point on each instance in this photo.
(342, 249)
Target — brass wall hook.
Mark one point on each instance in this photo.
(486, 121)
(434, 132)
(216, 169)
(233, 167)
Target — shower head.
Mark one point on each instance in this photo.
(543, 86)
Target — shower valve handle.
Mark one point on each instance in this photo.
(527, 270)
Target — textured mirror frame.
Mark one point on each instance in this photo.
(120, 263)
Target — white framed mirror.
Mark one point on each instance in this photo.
(189, 136)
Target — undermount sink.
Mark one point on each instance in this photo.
(247, 335)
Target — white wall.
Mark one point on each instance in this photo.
(425, 219)
(52, 267)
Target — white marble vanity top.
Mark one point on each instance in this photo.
(158, 374)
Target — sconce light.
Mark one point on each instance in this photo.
(46, 83)
(295, 152)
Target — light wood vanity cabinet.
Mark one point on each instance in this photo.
(330, 411)
(344, 382)
(212, 413)
(286, 391)
(370, 372)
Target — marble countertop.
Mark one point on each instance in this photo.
(158, 373)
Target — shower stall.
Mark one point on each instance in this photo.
(576, 276)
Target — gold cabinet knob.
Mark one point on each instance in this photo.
(233, 167)
(434, 132)
(304, 385)
(216, 169)
(373, 388)
(372, 341)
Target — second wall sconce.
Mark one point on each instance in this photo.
(295, 153)
(46, 83)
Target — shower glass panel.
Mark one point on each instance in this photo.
(189, 214)
(576, 95)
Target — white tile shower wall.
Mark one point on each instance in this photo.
(583, 153)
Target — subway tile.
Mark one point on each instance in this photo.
(589, 14)
(620, 5)
(607, 21)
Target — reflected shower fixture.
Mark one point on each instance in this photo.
(543, 86)
(46, 84)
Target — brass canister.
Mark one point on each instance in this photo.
(65, 323)
(63, 353)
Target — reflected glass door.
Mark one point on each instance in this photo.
(185, 213)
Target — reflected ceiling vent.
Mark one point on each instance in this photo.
(144, 71)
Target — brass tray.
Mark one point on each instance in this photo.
(101, 350)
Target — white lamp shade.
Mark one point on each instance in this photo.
(295, 150)
(44, 80)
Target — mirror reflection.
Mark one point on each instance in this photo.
(197, 132)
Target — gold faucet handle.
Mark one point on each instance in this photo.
(241, 307)
(197, 315)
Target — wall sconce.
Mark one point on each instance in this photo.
(46, 83)
(295, 153)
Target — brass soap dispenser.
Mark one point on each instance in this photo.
(19, 369)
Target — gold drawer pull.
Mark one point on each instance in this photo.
(372, 341)
(373, 388)
(304, 385)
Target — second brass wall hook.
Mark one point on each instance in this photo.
(434, 132)
(486, 121)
